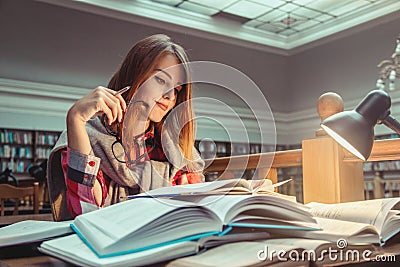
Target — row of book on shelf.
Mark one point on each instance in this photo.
(222, 148)
(26, 137)
(390, 165)
(46, 139)
(16, 166)
(17, 137)
(198, 224)
(7, 151)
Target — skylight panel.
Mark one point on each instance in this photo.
(327, 5)
(247, 9)
(199, 8)
(169, 2)
(272, 15)
(217, 4)
(289, 7)
(302, 2)
(305, 12)
(270, 3)
(271, 28)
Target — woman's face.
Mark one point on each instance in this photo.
(162, 88)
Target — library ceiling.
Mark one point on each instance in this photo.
(283, 24)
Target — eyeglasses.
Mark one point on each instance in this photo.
(149, 144)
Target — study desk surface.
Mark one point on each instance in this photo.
(28, 255)
(10, 219)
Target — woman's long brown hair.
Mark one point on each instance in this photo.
(138, 66)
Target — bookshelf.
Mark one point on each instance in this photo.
(216, 149)
(21, 148)
(210, 149)
(388, 169)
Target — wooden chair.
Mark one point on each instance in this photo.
(17, 193)
(57, 187)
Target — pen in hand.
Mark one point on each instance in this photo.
(123, 90)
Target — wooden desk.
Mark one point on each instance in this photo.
(6, 220)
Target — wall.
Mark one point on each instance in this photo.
(346, 65)
(56, 45)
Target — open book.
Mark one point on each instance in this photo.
(278, 252)
(369, 221)
(32, 231)
(72, 249)
(231, 186)
(145, 223)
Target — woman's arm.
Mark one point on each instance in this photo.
(100, 100)
(79, 180)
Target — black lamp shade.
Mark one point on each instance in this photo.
(354, 129)
(351, 130)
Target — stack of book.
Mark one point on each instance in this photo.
(223, 223)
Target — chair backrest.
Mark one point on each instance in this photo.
(57, 188)
(18, 193)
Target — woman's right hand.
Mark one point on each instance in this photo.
(100, 100)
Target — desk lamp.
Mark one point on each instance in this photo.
(354, 130)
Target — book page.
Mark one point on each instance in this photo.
(267, 186)
(231, 186)
(228, 207)
(143, 222)
(192, 189)
(391, 225)
(120, 219)
(352, 232)
(73, 250)
(372, 212)
(263, 186)
(31, 231)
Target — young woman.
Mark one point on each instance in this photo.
(102, 163)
